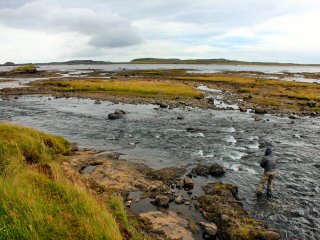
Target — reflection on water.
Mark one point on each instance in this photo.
(156, 137)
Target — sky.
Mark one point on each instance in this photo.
(121, 30)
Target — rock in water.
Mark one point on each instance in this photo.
(116, 115)
(209, 228)
(242, 109)
(221, 205)
(179, 199)
(260, 111)
(216, 170)
(162, 105)
(162, 201)
(188, 183)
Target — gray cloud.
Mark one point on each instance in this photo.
(107, 30)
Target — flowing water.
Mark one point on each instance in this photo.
(154, 136)
(236, 140)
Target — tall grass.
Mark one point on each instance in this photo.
(34, 205)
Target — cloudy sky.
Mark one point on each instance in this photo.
(120, 30)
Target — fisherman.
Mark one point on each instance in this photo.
(269, 163)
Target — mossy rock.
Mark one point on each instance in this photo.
(222, 206)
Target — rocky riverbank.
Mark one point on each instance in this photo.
(163, 199)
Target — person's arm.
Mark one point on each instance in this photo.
(263, 162)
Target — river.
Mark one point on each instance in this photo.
(234, 139)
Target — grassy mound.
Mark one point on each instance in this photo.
(38, 201)
(25, 69)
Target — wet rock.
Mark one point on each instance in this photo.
(214, 170)
(260, 110)
(116, 115)
(179, 200)
(97, 102)
(162, 105)
(167, 175)
(74, 147)
(317, 165)
(162, 201)
(180, 117)
(188, 183)
(217, 170)
(221, 205)
(209, 229)
(166, 226)
(292, 116)
(311, 104)
(242, 109)
(200, 170)
(313, 114)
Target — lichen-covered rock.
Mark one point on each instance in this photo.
(221, 206)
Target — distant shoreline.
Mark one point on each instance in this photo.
(165, 61)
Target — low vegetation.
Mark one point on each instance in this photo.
(25, 69)
(137, 88)
(39, 202)
(275, 94)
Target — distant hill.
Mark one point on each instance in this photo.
(204, 61)
(77, 62)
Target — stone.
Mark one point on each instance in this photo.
(162, 201)
(97, 102)
(311, 104)
(209, 228)
(74, 147)
(200, 170)
(166, 226)
(162, 105)
(188, 183)
(179, 199)
(260, 110)
(216, 170)
(293, 116)
(116, 115)
(180, 117)
(242, 109)
(221, 205)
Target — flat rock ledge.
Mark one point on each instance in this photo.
(167, 226)
(221, 205)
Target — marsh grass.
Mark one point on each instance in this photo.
(267, 92)
(25, 69)
(35, 205)
(137, 88)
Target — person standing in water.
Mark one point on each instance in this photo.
(269, 164)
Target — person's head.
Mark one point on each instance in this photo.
(268, 151)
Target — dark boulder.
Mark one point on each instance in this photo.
(214, 170)
(217, 170)
(162, 201)
(162, 105)
(242, 109)
(260, 110)
(116, 115)
(311, 103)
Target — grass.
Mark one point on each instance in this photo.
(265, 92)
(137, 88)
(25, 69)
(39, 202)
